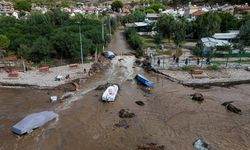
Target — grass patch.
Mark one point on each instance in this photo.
(213, 67)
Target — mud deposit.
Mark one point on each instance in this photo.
(169, 118)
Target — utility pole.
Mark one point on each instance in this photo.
(103, 36)
(110, 27)
(80, 33)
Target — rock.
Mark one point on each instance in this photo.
(123, 124)
(230, 107)
(126, 114)
(197, 97)
(140, 103)
(150, 146)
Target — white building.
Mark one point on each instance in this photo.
(210, 44)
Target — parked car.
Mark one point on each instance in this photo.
(108, 54)
(248, 68)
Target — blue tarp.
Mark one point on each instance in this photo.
(32, 121)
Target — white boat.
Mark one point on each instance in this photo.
(110, 93)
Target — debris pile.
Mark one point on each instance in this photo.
(140, 103)
(66, 96)
(125, 113)
(70, 86)
(197, 97)
(150, 146)
(229, 106)
(120, 59)
(103, 86)
(96, 67)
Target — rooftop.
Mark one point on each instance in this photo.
(198, 13)
(211, 42)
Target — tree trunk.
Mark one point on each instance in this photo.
(24, 67)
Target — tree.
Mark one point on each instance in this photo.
(165, 25)
(22, 5)
(157, 6)
(136, 16)
(148, 11)
(41, 50)
(116, 5)
(228, 22)
(179, 33)
(207, 25)
(136, 42)
(4, 42)
(245, 33)
(128, 32)
(58, 17)
(158, 38)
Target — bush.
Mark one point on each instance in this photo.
(221, 55)
(135, 41)
(128, 32)
(179, 52)
(186, 68)
(213, 67)
(197, 51)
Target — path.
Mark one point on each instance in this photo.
(118, 43)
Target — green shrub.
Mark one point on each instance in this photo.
(221, 55)
(186, 68)
(213, 67)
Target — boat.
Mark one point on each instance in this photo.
(110, 93)
(144, 81)
(33, 121)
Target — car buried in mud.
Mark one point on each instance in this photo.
(108, 54)
(33, 121)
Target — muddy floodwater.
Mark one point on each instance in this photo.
(169, 116)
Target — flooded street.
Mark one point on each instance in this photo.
(169, 116)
